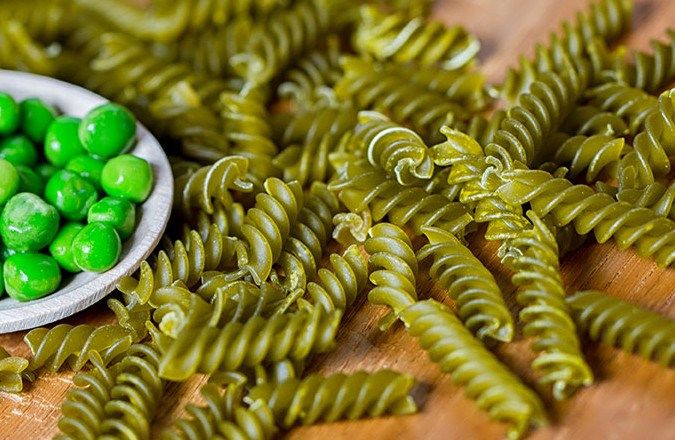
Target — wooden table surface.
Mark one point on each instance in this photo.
(631, 399)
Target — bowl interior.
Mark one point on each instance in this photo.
(84, 289)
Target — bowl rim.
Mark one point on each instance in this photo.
(86, 288)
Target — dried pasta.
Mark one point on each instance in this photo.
(11, 372)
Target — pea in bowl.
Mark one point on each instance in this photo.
(80, 290)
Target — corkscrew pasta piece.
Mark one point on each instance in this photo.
(402, 39)
(336, 397)
(533, 256)
(589, 210)
(45, 20)
(11, 372)
(168, 21)
(267, 227)
(63, 343)
(588, 120)
(225, 416)
(603, 22)
(18, 50)
(312, 135)
(361, 187)
(624, 325)
(228, 220)
(258, 340)
(185, 262)
(283, 36)
(131, 317)
(649, 71)
(337, 288)
(589, 154)
(629, 103)
(479, 300)
(493, 386)
(371, 86)
(200, 188)
(655, 196)
(351, 228)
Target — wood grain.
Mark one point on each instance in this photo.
(631, 399)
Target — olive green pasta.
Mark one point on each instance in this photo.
(19, 51)
(313, 134)
(361, 187)
(224, 416)
(479, 300)
(11, 372)
(629, 103)
(649, 71)
(603, 21)
(351, 228)
(337, 397)
(45, 20)
(184, 261)
(258, 340)
(283, 36)
(131, 317)
(64, 343)
(493, 386)
(167, 21)
(588, 120)
(533, 255)
(371, 86)
(624, 325)
(337, 288)
(589, 154)
(401, 39)
(655, 196)
(228, 220)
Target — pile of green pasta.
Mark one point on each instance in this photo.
(310, 141)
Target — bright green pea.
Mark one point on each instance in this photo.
(127, 177)
(28, 223)
(10, 115)
(31, 276)
(62, 142)
(61, 248)
(87, 167)
(9, 181)
(118, 213)
(19, 150)
(107, 130)
(29, 180)
(97, 247)
(71, 194)
(36, 117)
(45, 171)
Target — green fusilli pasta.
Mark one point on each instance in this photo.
(18, 50)
(11, 372)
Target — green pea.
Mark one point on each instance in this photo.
(36, 117)
(62, 142)
(107, 130)
(45, 171)
(96, 247)
(28, 223)
(87, 167)
(19, 150)
(61, 248)
(31, 276)
(10, 115)
(9, 181)
(118, 213)
(71, 194)
(127, 177)
(29, 180)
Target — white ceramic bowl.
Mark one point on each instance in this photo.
(84, 289)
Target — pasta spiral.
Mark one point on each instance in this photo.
(397, 37)
(623, 325)
(592, 211)
(370, 86)
(479, 300)
(656, 196)
(19, 51)
(338, 287)
(589, 154)
(207, 349)
(588, 120)
(45, 20)
(224, 416)
(533, 256)
(267, 227)
(63, 343)
(337, 397)
(361, 187)
(11, 370)
(286, 34)
(631, 104)
(485, 380)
